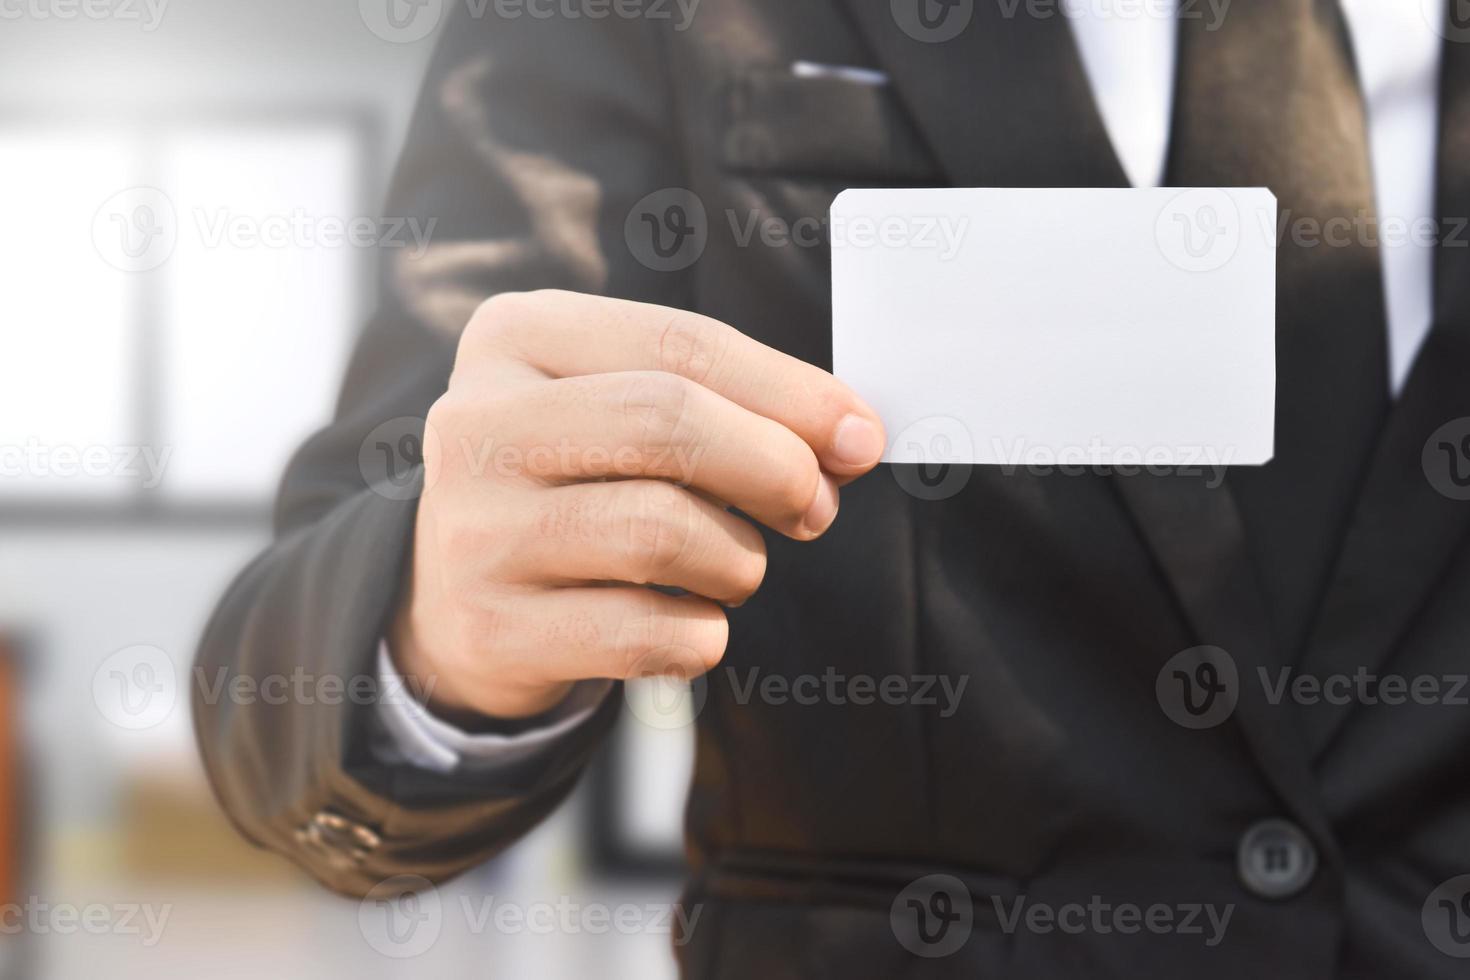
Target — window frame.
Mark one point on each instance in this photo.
(140, 506)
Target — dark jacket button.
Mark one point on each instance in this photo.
(1276, 859)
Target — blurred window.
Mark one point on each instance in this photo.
(180, 301)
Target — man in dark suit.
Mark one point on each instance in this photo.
(1121, 759)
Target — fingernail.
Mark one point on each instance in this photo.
(823, 510)
(857, 442)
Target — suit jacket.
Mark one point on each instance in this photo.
(1060, 598)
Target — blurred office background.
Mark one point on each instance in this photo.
(162, 354)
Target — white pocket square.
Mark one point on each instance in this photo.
(846, 73)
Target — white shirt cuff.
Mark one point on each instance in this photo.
(410, 733)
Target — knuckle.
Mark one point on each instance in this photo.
(459, 420)
(658, 405)
(499, 319)
(689, 346)
(462, 543)
(659, 530)
(444, 414)
(486, 627)
(578, 630)
(569, 517)
(452, 415)
(440, 418)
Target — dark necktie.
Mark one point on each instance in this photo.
(1270, 98)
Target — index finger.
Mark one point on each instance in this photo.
(568, 334)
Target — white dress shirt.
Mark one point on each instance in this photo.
(407, 732)
(1129, 51)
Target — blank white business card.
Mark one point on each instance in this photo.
(1056, 326)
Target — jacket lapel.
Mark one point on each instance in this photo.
(1405, 530)
(1198, 539)
(1007, 103)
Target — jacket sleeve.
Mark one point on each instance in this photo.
(532, 140)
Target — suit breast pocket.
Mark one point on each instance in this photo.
(823, 126)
